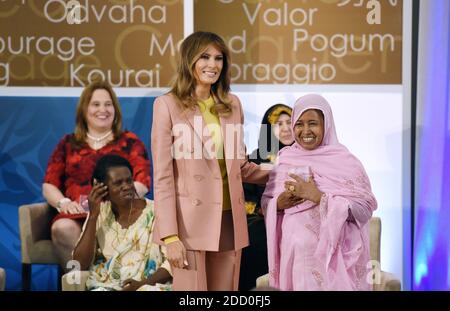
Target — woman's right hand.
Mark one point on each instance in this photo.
(176, 254)
(71, 207)
(287, 200)
(98, 193)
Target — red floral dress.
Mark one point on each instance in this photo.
(70, 169)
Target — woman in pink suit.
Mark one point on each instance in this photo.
(199, 166)
(317, 205)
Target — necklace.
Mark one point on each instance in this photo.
(124, 237)
(98, 140)
(121, 235)
(129, 214)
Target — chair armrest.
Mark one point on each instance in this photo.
(2, 279)
(262, 281)
(388, 283)
(70, 281)
(35, 219)
(34, 225)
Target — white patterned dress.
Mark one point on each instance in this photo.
(122, 254)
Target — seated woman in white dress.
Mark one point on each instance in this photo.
(116, 243)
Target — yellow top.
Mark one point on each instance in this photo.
(213, 124)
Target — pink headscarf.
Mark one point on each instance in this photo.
(313, 101)
(341, 177)
(324, 159)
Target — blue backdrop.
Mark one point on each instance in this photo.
(30, 128)
(432, 212)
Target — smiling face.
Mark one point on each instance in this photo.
(208, 67)
(100, 111)
(282, 129)
(120, 184)
(309, 129)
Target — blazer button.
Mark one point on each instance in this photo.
(196, 202)
(198, 177)
(241, 200)
(238, 175)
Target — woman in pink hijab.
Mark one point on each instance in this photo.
(317, 206)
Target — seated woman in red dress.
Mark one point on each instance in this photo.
(98, 131)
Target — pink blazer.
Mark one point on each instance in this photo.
(188, 184)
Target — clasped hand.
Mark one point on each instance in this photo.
(131, 285)
(304, 190)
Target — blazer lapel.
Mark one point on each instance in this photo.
(229, 143)
(198, 124)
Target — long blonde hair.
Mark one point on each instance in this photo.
(184, 86)
(81, 127)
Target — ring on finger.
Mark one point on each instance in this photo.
(291, 188)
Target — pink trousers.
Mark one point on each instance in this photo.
(212, 271)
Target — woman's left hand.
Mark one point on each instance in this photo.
(303, 189)
(132, 285)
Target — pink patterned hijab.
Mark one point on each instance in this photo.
(331, 160)
(313, 101)
(342, 178)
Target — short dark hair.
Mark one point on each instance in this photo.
(105, 163)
